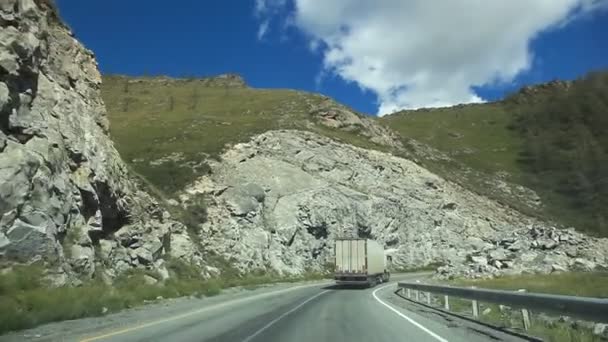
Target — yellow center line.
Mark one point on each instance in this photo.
(192, 313)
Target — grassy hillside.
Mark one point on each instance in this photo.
(550, 138)
(167, 129)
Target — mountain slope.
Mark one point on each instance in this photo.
(169, 128)
(281, 173)
(279, 200)
(547, 137)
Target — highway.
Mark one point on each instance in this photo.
(299, 312)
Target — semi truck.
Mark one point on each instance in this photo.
(360, 262)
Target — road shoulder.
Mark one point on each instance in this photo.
(153, 313)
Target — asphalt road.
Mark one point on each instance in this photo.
(304, 312)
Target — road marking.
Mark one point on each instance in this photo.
(195, 312)
(252, 336)
(420, 326)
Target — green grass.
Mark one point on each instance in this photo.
(589, 284)
(153, 118)
(150, 129)
(550, 139)
(575, 283)
(26, 300)
(477, 141)
(475, 135)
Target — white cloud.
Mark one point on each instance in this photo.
(265, 10)
(263, 29)
(420, 53)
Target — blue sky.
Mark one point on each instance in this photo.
(199, 38)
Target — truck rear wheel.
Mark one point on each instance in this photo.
(371, 282)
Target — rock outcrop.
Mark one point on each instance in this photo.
(279, 201)
(66, 197)
(334, 115)
(536, 250)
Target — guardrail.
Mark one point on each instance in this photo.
(586, 308)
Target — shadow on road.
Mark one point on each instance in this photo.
(345, 287)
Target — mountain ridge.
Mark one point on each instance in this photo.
(495, 139)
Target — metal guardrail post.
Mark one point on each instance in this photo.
(446, 302)
(475, 305)
(475, 308)
(417, 294)
(428, 298)
(409, 293)
(525, 314)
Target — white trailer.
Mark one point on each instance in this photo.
(360, 262)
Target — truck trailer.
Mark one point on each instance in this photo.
(360, 262)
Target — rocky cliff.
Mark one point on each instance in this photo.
(66, 197)
(278, 202)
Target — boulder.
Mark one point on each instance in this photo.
(182, 246)
(105, 248)
(556, 259)
(148, 280)
(254, 191)
(154, 246)
(27, 7)
(4, 241)
(600, 329)
(518, 245)
(507, 264)
(547, 244)
(82, 259)
(144, 256)
(161, 269)
(558, 268)
(27, 241)
(528, 256)
(4, 95)
(479, 260)
(477, 243)
(239, 202)
(505, 242)
(499, 254)
(583, 264)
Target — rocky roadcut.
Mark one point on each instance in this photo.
(275, 203)
(279, 201)
(66, 197)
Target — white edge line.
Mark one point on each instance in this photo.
(418, 325)
(271, 323)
